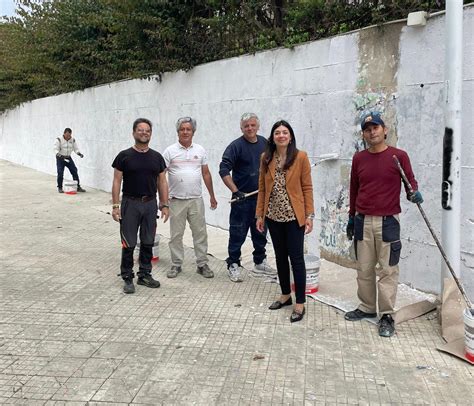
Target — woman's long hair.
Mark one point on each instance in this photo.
(291, 152)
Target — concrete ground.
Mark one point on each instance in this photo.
(68, 335)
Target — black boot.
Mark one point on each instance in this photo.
(128, 286)
(148, 281)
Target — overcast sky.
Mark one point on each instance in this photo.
(7, 7)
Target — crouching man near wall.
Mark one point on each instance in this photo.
(64, 147)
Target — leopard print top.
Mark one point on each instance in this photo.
(279, 206)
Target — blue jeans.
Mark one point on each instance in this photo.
(242, 218)
(60, 165)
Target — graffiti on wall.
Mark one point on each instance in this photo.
(334, 244)
(334, 216)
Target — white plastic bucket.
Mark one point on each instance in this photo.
(469, 334)
(155, 249)
(312, 264)
(70, 187)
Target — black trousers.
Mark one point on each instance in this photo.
(137, 216)
(288, 241)
(60, 165)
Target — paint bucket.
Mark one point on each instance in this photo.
(70, 187)
(155, 249)
(469, 334)
(312, 264)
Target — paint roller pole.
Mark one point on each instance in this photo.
(246, 195)
(443, 254)
(451, 182)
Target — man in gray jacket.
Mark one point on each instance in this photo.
(63, 147)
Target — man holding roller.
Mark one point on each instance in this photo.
(242, 159)
(374, 222)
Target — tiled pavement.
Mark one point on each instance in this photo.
(68, 335)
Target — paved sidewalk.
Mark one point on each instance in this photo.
(68, 335)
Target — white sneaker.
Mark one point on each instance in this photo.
(265, 269)
(235, 273)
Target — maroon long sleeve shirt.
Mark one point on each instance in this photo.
(376, 182)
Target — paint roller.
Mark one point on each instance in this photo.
(325, 157)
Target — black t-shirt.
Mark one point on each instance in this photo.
(140, 171)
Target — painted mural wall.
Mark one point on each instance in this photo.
(322, 88)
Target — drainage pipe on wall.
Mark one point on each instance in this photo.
(451, 183)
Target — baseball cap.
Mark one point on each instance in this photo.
(372, 117)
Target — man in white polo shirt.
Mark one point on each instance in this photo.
(186, 164)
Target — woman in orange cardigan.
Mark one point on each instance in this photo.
(285, 205)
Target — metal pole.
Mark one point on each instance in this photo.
(451, 183)
(435, 237)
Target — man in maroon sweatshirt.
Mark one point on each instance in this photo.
(374, 222)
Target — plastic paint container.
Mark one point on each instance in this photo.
(469, 334)
(70, 187)
(312, 264)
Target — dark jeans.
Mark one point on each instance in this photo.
(242, 217)
(60, 165)
(288, 241)
(137, 215)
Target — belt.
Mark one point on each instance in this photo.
(140, 198)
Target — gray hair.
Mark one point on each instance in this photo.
(184, 120)
(248, 116)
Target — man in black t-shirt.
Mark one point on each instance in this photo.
(143, 173)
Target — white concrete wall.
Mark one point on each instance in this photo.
(322, 88)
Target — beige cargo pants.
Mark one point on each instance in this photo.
(377, 240)
(193, 212)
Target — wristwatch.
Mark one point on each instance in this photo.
(310, 216)
(163, 206)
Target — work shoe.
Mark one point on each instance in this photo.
(386, 326)
(265, 269)
(60, 190)
(173, 272)
(148, 281)
(128, 286)
(205, 271)
(358, 314)
(235, 273)
(79, 189)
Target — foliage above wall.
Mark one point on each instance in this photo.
(57, 46)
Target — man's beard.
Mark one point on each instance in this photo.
(142, 143)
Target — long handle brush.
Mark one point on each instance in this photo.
(440, 247)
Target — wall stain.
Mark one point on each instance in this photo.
(376, 90)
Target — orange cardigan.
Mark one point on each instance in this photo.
(298, 186)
